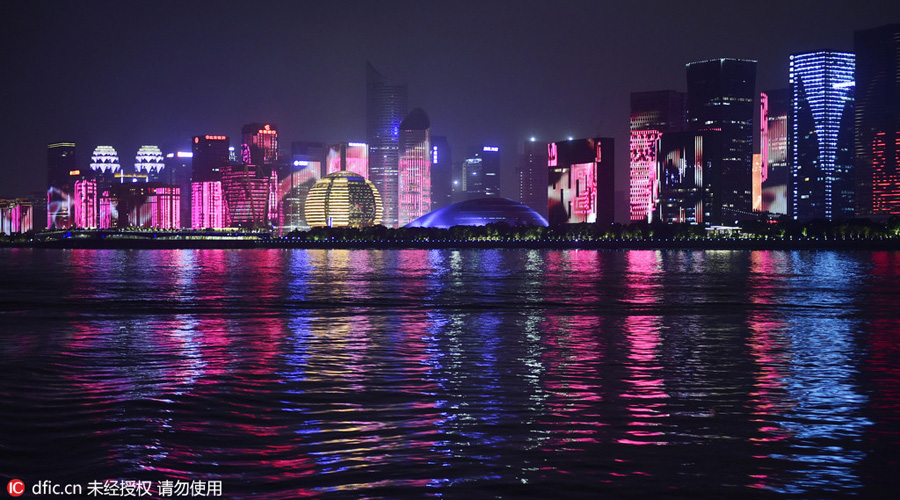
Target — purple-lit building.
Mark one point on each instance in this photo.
(141, 205)
(532, 173)
(62, 173)
(16, 216)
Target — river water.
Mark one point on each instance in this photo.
(452, 373)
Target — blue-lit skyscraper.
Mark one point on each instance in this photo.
(386, 103)
(822, 135)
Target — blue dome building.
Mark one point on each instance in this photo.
(480, 212)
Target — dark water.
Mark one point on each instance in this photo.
(454, 374)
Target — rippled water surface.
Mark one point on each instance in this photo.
(454, 374)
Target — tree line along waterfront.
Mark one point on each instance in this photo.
(786, 234)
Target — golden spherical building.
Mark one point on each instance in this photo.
(343, 199)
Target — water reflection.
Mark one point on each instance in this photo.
(410, 373)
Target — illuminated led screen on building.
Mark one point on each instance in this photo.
(580, 185)
(352, 157)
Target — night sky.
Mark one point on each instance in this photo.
(128, 73)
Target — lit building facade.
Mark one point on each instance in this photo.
(62, 172)
(85, 204)
(414, 168)
(441, 172)
(580, 181)
(207, 205)
(209, 159)
(822, 99)
(177, 172)
(689, 173)
(249, 196)
(877, 121)
(16, 216)
(386, 106)
(259, 144)
(652, 114)
(140, 205)
(343, 199)
(105, 166)
(295, 179)
(149, 161)
(349, 156)
(721, 97)
(775, 113)
(481, 173)
(532, 173)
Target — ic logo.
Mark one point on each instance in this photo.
(16, 487)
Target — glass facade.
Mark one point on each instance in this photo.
(652, 114)
(386, 106)
(822, 100)
(721, 97)
(414, 169)
(877, 121)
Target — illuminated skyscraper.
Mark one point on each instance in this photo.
(721, 97)
(210, 159)
(386, 103)
(249, 195)
(877, 120)
(62, 172)
(105, 166)
(177, 172)
(822, 135)
(689, 171)
(441, 173)
(481, 173)
(414, 187)
(652, 114)
(259, 144)
(775, 113)
(149, 161)
(532, 174)
(580, 185)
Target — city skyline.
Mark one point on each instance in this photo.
(81, 85)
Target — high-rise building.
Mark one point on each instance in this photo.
(62, 172)
(652, 114)
(580, 185)
(249, 196)
(689, 175)
(441, 173)
(822, 135)
(105, 166)
(775, 113)
(259, 144)
(209, 160)
(149, 161)
(386, 105)
(532, 173)
(414, 186)
(721, 97)
(177, 172)
(481, 173)
(877, 121)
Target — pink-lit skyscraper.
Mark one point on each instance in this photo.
(652, 114)
(259, 144)
(414, 186)
(209, 159)
(386, 104)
